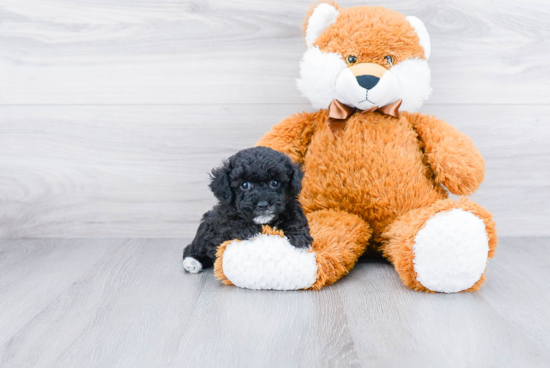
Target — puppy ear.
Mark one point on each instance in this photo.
(220, 184)
(296, 176)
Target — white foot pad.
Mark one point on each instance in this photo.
(191, 265)
(269, 262)
(451, 251)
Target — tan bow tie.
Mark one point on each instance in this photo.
(338, 113)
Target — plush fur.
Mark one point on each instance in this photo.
(272, 183)
(321, 17)
(295, 268)
(370, 34)
(318, 74)
(375, 184)
(422, 33)
(447, 258)
(400, 238)
(218, 267)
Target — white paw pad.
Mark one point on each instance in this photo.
(269, 262)
(191, 265)
(451, 251)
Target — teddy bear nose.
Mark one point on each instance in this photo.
(263, 205)
(367, 81)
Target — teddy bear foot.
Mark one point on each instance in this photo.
(451, 251)
(266, 262)
(443, 247)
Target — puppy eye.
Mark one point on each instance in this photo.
(274, 184)
(390, 59)
(351, 59)
(246, 186)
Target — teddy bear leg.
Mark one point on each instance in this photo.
(340, 238)
(443, 247)
(269, 261)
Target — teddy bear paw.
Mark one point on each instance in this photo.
(451, 251)
(266, 262)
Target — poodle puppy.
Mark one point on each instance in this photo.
(257, 186)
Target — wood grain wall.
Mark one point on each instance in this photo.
(113, 111)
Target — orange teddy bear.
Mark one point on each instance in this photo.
(375, 171)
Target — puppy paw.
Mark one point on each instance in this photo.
(191, 265)
(300, 240)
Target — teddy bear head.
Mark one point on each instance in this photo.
(364, 57)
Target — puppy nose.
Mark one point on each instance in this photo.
(263, 205)
(367, 81)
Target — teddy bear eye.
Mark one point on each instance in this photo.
(351, 59)
(274, 184)
(389, 59)
(246, 186)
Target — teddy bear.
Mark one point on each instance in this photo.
(377, 173)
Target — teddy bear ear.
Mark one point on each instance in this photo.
(322, 16)
(422, 34)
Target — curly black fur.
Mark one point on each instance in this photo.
(274, 183)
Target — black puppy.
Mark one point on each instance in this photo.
(256, 186)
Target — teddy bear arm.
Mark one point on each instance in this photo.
(453, 157)
(291, 136)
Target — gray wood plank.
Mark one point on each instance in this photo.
(141, 171)
(397, 327)
(133, 306)
(247, 51)
(35, 272)
(115, 314)
(525, 274)
(259, 329)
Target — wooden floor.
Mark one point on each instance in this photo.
(127, 303)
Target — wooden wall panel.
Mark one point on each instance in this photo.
(113, 111)
(247, 51)
(80, 171)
